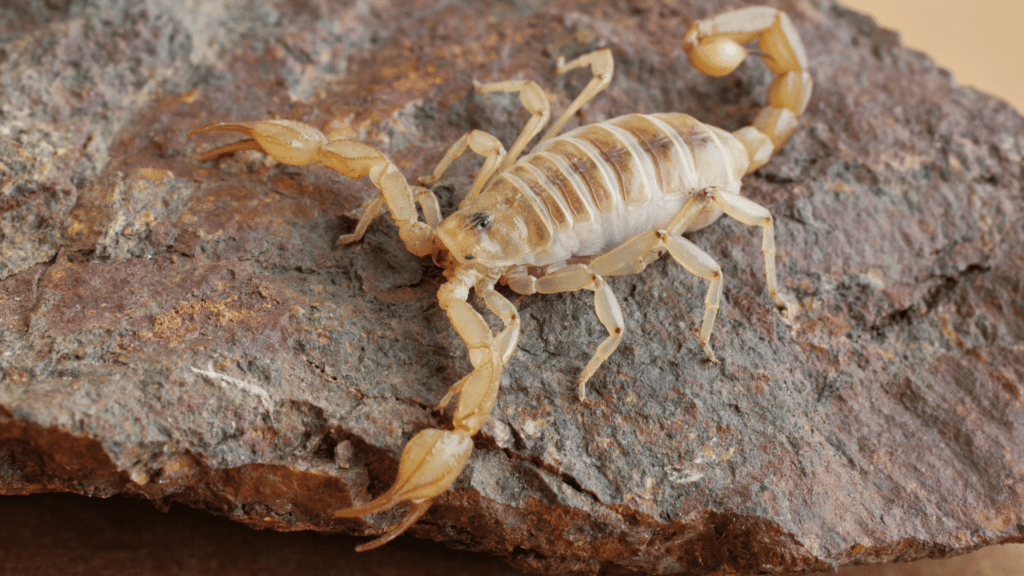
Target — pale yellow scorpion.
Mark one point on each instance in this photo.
(602, 200)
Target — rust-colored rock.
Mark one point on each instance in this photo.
(884, 425)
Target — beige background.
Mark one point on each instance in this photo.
(980, 41)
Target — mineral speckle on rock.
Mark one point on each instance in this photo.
(186, 331)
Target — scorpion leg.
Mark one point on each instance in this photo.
(642, 246)
(536, 103)
(506, 311)
(602, 65)
(698, 263)
(634, 254)
(299, 144)
(532, 98)
(428, 203)
(639, 249)
(483, 144)
(579, 276)
(628, 257)
(371, 211)
(753, 214)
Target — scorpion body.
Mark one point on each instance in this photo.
(599, 185)
(601, 200)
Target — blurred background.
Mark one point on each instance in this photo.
(979, 41)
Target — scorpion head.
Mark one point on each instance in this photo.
(494, 230)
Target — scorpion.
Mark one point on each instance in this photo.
(598, 201)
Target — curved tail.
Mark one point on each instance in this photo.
(715, 47)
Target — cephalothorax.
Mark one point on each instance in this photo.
(601, 200)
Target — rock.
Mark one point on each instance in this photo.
(186, 331)
(68, 534)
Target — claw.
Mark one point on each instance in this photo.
(287, 141)
(299, 144)
(429, 464)
(415, 511)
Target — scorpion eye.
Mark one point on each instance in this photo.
(469, 257)
(480, 220)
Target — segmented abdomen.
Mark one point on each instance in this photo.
(602, 183)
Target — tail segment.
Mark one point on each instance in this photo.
(714, 47)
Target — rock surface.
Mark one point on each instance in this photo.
(880, 426)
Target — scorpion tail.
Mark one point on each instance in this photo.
(715, 47)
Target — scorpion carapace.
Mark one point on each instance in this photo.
(601, 200)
